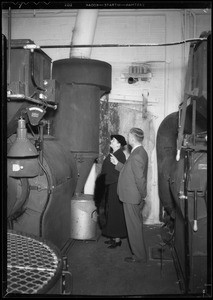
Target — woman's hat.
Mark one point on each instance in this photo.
(119, 138)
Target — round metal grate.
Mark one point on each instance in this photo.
(32, 264)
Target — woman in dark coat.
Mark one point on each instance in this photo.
(115, 227)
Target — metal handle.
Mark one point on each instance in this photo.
(95, 210)
(63, 277)
(63, 287)
(195, 211)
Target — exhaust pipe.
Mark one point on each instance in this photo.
(84, 32)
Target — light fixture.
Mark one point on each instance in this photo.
(22, 147)
(132, 80)
(23, 156)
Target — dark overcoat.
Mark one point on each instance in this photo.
(115, 221)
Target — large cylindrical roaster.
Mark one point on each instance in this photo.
(182, 179)
(67, 140)
(76, 123)
(166, 153)
(38, 199)
(183, 195)
(40, 205)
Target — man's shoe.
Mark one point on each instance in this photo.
(109, 242)
(132, 260)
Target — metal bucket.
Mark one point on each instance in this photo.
(83, 218)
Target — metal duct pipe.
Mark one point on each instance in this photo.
(83, 32)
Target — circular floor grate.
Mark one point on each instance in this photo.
(31, 264)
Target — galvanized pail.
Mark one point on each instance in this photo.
(83, 218)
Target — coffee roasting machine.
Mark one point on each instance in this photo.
(52, 140)
(182, 173)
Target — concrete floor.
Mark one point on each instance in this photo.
(99, 271)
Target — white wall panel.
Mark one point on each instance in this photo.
(43, 30)
(203, 23)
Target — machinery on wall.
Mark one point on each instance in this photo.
(52, 137)
(182, 174)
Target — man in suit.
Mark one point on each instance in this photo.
(132, 190)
